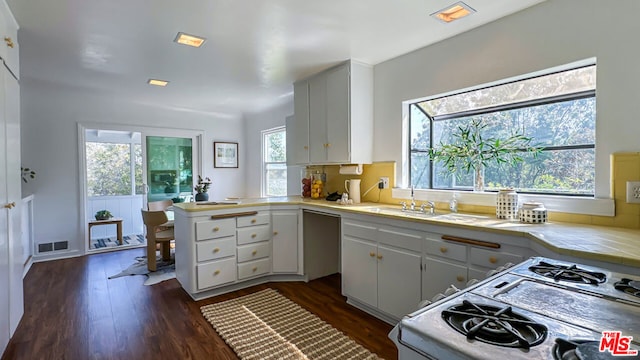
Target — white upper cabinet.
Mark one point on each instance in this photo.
(298, 127)
(336, 106)
(9, 47)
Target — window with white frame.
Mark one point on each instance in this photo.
(556, 110)
(114, 168)
(274, 162)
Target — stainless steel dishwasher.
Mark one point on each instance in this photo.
(321, 234)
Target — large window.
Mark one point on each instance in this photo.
(556, 110)
(274, 162)
(114, 169)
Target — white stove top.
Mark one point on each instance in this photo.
(570, 310)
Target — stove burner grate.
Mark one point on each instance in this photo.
(494, 325)
(631, 287)
(568, 273)
(579, 350)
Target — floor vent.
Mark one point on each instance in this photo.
(54, 246)
(45, 247)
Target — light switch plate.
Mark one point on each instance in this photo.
(633, 192)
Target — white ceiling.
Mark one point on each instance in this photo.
(255, 49)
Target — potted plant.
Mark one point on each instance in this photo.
(471, 151)
(103, 215)
(201, 189)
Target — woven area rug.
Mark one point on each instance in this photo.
(127, 240)
(165, 270)
(267, 325)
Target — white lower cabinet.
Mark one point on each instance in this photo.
(359, 270)
(220, 248)
(285, 241)
(398, 281)
(216, 273)
(381, 267)
(439, 275)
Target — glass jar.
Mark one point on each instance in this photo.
(306, 183)
(318, 180)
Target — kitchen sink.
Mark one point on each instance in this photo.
(389, 210)
(461, 217)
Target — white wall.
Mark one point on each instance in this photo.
(50, 115)
(550, 34)
(254, 125)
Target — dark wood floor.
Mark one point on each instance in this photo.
(72, 311)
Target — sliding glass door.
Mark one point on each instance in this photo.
(169, 168)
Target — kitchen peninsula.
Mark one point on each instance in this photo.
(221, 248)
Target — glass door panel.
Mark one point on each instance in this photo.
(169, 168)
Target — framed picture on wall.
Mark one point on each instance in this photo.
(225, 155)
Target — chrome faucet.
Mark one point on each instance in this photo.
(430, 204)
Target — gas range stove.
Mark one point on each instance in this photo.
(539, 309)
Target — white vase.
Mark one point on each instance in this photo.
(507, 204)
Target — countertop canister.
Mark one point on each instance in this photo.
(533, 213)
(507, 204)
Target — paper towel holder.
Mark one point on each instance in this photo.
(351, 169)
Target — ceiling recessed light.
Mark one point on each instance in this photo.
(157, 82)
(190, 40)
(453, 12)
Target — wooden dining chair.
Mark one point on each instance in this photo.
(161, 205)
(157, 234)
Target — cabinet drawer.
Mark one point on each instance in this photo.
(445, 249)
(215, 249)
(215, 229)
(254, 251)
(492, 259)
(258, 219)
(400, 238)
(254, 268)
(254, 234)
(216, 273)
(359, 230)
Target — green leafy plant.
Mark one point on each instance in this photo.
(103, 215)
(203, 185)
(27, 174)
(470, 151)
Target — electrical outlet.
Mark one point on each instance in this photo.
(385, 182)
(633, 192)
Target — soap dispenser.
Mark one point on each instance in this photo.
(453, 203)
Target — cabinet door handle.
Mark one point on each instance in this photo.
(216, 229)
(443, 249)
(254, 269)
(275, 233)
(254, 252)
(372, 254)
(306, 147)
(216, 272)
(9, 42)
(493, 260)
(379, 257)
(216, 250)
(460, 278)
(10, 205)
(328, 144)
(253, 236)
(253, 221)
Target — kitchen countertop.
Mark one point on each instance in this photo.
(610, 244)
